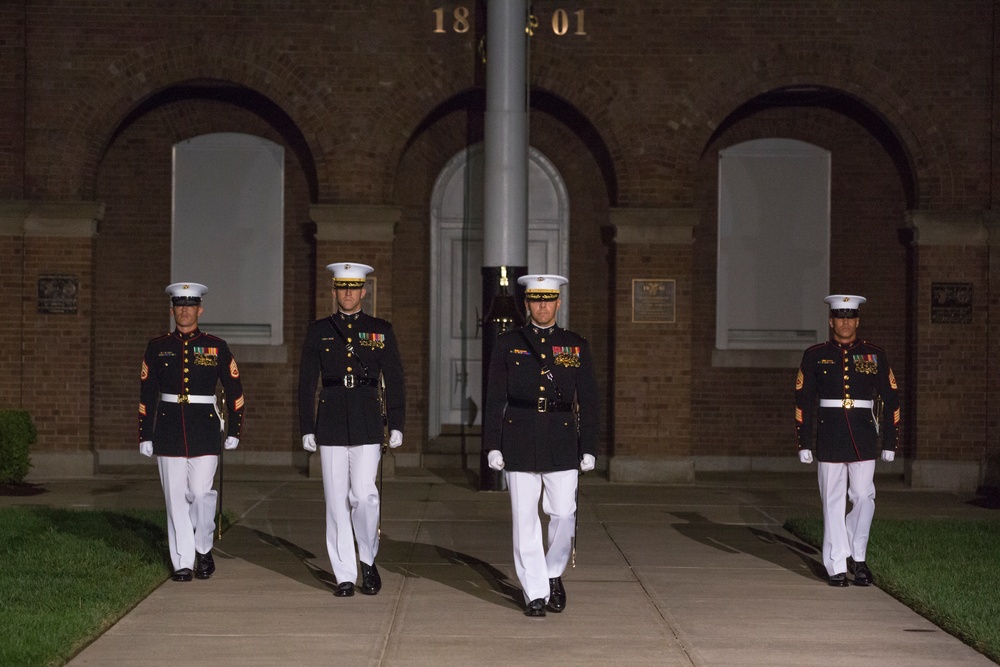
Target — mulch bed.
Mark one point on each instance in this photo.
(21, 489)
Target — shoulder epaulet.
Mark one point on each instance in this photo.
(816, 346)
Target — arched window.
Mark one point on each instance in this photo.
(774, 245)
(228, 232)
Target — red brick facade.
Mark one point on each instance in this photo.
(370, 104)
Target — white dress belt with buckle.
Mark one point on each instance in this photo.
(187, 398)
(843, 403)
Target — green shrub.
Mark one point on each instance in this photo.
(17, 434)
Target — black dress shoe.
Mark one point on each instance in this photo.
(344, 590)
(371, 582)
(183, 574)
(204, 565)
(862, 575)
(557, 595)
(839, 580)
(536, 608)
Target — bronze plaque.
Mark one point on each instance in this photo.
(654, 301)
(951, 303)
(57, 295)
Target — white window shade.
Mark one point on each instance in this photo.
(228, 233)
(774, 245)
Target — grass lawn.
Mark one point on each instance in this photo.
(946, 570)
(66, 576)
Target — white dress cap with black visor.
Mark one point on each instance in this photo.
(186, 294)
(844, 305)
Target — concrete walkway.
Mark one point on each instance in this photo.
(666, 575)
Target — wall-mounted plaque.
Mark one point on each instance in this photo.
(654, 301)
(57, 295)
(951, 303)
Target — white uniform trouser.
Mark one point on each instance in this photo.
(351, 500)
(533, 564)
(845, 536)
(187, 488)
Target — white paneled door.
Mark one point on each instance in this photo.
(456, 277)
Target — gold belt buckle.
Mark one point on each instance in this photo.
(543, 404)
(349, 381)
(848, 403)
(183, 398)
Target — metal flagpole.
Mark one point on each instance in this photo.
(505, 182)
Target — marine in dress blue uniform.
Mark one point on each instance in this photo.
(351, 353)
(845, 393)
(540, 425)
(180, 423)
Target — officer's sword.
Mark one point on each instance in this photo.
(576, 514)
(878, 406)
(222, 450)
(383, 447)
(576, 523)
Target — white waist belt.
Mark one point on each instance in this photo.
(191, 398)
(842, 403)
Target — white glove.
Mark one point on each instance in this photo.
(495, 459)
(888, 455)
(146, 447)
(232, 443)
(806, 455)
(309, 442)
(587, 463)
(395, 439)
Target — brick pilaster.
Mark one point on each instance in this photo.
(652, 376)
(949, 393)
(53, 245)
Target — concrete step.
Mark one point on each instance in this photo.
(451, 461)
(455, 440)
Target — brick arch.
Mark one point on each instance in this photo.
(733, 83)
(422, 90)
(599, 103)
(92, 121)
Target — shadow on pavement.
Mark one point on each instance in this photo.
(764, 544)
(478, 578)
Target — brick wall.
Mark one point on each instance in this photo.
(12, 91)
(12, 328)
(643, 75)
(56, 358)
(370, 104)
